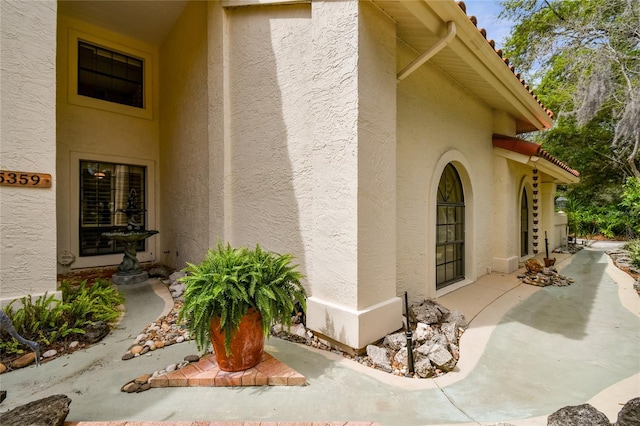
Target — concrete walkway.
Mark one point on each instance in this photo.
(528, 351)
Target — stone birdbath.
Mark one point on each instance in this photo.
(129, 270)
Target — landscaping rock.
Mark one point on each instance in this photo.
(3, 368)
(50, 353)
(441, 358)
(50, 411)
(96, 332)
(395, 341)
(427, 312)
(424, 368)
(379, 356)
(578, 415)
(533, 265)
(26, 359)
(423, 332)
(630, 413)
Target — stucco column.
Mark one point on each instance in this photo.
(353, 262)
(28, 144)
(505, 230)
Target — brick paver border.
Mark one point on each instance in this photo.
(206, 372)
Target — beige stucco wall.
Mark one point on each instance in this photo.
(438, 123)
(100, 133)
(269, 143)
(28, 144)
(353, 275)
(184, 140)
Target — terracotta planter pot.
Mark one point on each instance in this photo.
(247, 344)
(549, 261)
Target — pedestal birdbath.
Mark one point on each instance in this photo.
(129, 271)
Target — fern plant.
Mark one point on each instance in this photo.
(229, 281)
(48, 319)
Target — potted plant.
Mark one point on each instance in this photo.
(234, 296)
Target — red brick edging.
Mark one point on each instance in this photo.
(207, 423)
(206, 372)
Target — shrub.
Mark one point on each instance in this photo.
(634, 249)
(48, 320)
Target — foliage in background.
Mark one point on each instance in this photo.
(612, 220)
(634, 249)
(47, 319)
(631, 203)
(584, 61)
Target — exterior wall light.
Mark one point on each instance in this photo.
(561, 203)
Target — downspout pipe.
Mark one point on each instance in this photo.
(440, 44)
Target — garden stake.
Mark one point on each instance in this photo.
(409, 335)
(546, 244)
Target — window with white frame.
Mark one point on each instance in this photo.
(109, 75)
(106, 190)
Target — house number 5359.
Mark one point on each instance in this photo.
(25, 179)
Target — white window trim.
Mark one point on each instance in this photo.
(110, 259)
(147, 84)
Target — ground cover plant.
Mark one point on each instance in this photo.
(634, 251)
(54, 323)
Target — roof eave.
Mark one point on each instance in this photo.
(501, 77)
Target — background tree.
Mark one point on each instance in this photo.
(585, 57)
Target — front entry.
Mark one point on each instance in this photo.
(450, 229)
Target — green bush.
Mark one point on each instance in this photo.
(47, 319)
(634, 249)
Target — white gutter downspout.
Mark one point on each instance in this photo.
(451, 33)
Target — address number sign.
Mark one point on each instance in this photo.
(25, 179)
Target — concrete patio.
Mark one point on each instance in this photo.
(527, 352)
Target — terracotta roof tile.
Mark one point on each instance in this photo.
(492, 43)
(531, 149)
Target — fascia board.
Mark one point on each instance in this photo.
(560, 175)
(513, 156)
(471, 46)
(240, 3)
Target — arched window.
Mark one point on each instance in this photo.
(449, 229)
(524, 224)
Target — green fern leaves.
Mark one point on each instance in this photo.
(229, 281)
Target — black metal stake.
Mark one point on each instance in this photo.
(546, 244)
(409, 335)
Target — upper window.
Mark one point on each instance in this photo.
(110, 76)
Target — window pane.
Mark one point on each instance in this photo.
(442, 234)
(450, 229)
(105, 188)
(110, 76)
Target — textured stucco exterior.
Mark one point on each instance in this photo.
(184, 140)
(273, 122)
(99, 134)
(438, 123)
(28, 144)
(353, 299)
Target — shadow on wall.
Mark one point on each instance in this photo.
(269, 92)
